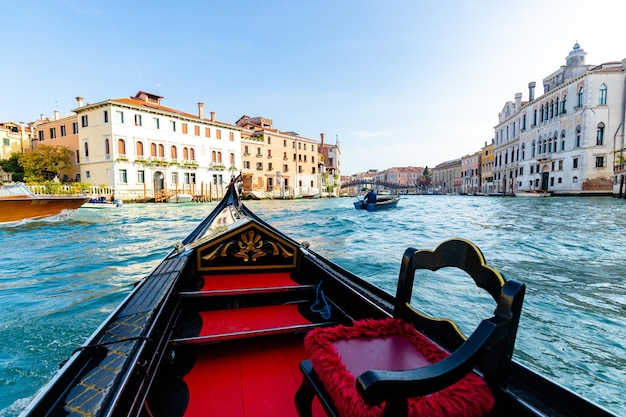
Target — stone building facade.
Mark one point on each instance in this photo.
(566, 140)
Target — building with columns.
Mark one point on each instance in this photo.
(140, 148)
(446, 177)
(568, 139)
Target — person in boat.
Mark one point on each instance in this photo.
(370, 197)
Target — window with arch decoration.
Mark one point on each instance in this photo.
(602, 95)
(600, 134)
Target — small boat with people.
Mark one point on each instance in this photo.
(102, 203)
(241, 319)
(375, 202)
(18, 202)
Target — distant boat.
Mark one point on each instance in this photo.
(102, 203)
(382, 202)
(17, 203)
(532, 193)
(180, 198)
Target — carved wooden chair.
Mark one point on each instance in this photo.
(390, 368)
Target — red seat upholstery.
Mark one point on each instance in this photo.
(340, 354)
(387, 368)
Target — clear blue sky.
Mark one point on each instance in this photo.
(398, 82)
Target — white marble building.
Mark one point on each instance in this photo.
(566, 140)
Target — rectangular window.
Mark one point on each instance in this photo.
(53, 133)
(157, 123)
(218, 134)
(600, 161)
(173, 126)
(141, 177)
(575, 163)
(184, 128)
(40, 135)
(246, 164)
(6, 142)
(560, 165)
(196, 130)
(84, 120)
(232, 137)
(63, 132)
(123, 177)
(207, 132)
(105, 116)
(119, 116)
(138, 120)
(174, 177)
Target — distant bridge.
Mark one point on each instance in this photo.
(377, 183)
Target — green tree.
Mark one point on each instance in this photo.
(46, 161)
(13, 166)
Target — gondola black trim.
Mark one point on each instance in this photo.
(103, 344)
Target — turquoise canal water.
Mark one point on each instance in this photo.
(60, 278)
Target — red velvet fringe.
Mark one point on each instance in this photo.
(469, 397)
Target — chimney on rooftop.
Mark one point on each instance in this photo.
(56, 115)
(201, 110)
(212, 116)
(79, 101)
(41, 116)
(531, 91)
(518, 101)
(322, 135)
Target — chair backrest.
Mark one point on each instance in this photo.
(508, 295)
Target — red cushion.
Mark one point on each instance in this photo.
(397, 346)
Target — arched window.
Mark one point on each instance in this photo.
(121, 146)
(219, 157)
(107, 147)
(580, 97)
(523, 151)
(551, 109)
(213, 156)
(534, 145)
(556, 106)
(192, 154)
(578, 130)
(86, 150)
(174, 152)
(563, 103)
(161, 150)
(231, 159)
(600, 134)
(153, 149)
(185, 153)
(139, 148)
(563, 140)
(541, 114)
(602, 95)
